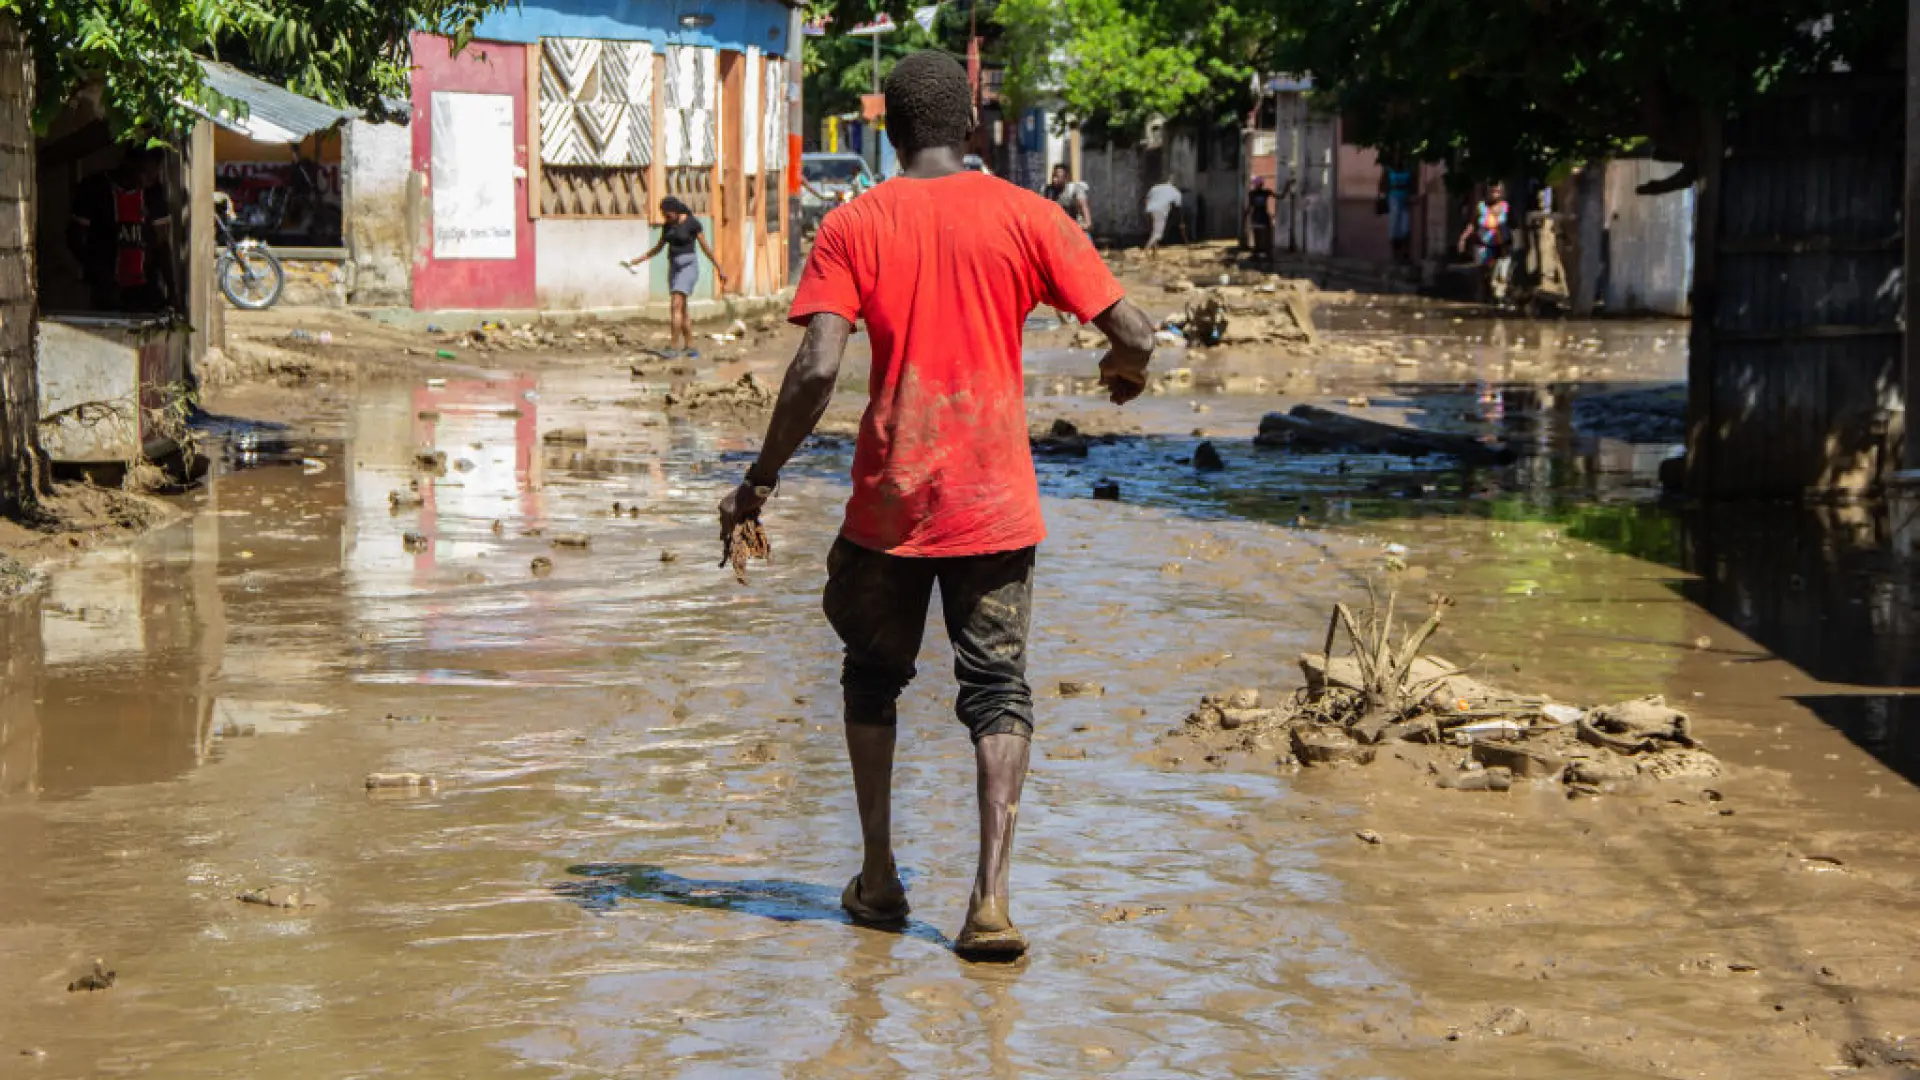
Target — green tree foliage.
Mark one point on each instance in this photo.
(1124, 62)
(347, 52)
(1502, 86)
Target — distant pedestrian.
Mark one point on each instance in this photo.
(1256, 221)
(1163, 199)
(679, 236)
(1072, 196)
(1491, 239)
(1396, 190)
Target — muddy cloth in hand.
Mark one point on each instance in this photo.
(944, 271)
(877, 603)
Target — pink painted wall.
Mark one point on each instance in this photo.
(484, 67)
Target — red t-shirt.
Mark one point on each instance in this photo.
(944, 272)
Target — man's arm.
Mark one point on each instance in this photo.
(804, 395)
(1129, 346)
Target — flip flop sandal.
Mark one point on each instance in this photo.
(862, 912)
(1008, 944)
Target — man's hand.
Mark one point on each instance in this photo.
(1123, 371)
(741, 504)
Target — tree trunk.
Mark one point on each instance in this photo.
(23, 470)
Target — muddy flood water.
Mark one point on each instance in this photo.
(631, 862)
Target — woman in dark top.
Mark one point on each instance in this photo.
(679, 235)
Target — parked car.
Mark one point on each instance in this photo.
(833, 178)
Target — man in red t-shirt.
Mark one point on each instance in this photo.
(943, 264)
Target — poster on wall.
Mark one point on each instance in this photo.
(473, 176)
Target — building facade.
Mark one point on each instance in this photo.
(531, 163)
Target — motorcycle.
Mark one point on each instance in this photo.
(248, 272)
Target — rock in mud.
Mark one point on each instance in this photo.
(1478, 780)
(1521, 760)
(96, 978)
(276, 896)
(400, 781)
(1679, 764)
(668, 556)
(1073, 689)
(1503, 1022)
(414, 542)
(1206, 458)
(1642, 725)
(572, 436)
(1234, 719)
(499, 528)
(541, 566)
(1874, 1052)
(1328, 746)
(1368, 836)
(1603, 772)
(574, 541)
(432, 461)
(1063, 439)
(404, 500)
(1107, 491)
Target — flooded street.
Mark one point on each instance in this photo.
(631, 861)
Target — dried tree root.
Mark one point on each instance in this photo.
(749, 541)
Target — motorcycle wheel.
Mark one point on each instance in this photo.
(251, 279)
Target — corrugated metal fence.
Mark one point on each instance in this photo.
(1794, 373)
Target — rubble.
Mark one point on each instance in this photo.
(745, 392)
(1385, 692)
(1309, 427)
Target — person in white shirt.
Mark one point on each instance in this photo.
(1162, 200)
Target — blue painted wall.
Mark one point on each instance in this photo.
(736, 23)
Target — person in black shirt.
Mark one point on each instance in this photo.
(679, 236)
(1256, 221)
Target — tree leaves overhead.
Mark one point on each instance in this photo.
(351, 53)
(1504, 86)
(1496, 86)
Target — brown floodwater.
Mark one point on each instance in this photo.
(632, 860)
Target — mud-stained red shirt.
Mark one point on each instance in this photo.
(945, 272)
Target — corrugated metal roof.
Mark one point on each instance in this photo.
(274, 114)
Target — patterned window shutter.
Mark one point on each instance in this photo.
(596, 102)
(692, 98)
(775, 112)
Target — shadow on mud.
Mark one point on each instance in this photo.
(781, 901)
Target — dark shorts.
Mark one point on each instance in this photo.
(878, 603)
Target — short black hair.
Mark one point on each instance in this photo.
(929, 103)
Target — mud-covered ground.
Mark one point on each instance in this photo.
(630, 859)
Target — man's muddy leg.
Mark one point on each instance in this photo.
(870, 748)
(877, 603)
(988, 602)
(1001, 761)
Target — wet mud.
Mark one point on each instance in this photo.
(629, 858)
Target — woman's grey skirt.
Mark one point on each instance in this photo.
(683, 273)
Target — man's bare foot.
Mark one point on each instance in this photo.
(989, 933)
(881, 904)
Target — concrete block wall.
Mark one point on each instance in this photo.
(380, 214)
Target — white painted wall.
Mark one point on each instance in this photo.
(379, 163)
(577, 263)
(1649, 241)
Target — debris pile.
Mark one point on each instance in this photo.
(1236, 315)
(746, 392)
(1471, 736)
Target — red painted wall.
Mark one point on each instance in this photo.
(484, 67)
